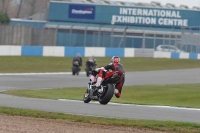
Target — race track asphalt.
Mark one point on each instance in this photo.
(59, 80)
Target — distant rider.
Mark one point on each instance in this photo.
(77, 60)
(91, 61)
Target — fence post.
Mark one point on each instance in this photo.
(70, 34)
(17, 29)
(85, 34)
(55, 36)
(170, 37)
(111, 40)
(99, 35)
(163, 39)
(42, 37)
(0, 33)
(124, 36)
(143, 40)
(197, 45)
(11, 35)
(20, 34)
(154, 42)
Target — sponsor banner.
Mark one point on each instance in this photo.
(82, 11)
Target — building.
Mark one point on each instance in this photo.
(102, 23)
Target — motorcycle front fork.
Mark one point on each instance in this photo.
(91, 91)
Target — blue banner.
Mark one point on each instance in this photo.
(82, 11)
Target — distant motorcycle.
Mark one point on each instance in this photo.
(90, 65)
(75, 68)
(105, 92)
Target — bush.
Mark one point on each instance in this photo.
(4, 18)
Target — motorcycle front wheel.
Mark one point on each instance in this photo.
(86, 97)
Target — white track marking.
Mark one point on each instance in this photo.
(56, 73)
(170, 107)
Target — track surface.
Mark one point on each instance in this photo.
(56, 80)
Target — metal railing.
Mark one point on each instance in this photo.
(87, 36)
(190, 39)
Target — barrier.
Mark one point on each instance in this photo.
(6, 50)
(62, 51)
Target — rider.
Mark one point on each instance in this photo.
(77, 58)
(95, 61)
(114, 66)
(91, 60)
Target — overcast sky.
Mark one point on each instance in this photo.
(190, 3)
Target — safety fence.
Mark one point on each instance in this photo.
(62, 51)
(26, 36)
(112, 37)
(190, 39)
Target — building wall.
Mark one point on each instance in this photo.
(92, 39)
(63, 12)
(123, 15)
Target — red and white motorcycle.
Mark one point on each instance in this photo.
(105, 91)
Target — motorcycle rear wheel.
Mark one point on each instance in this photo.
(75, 70)
(107, 94)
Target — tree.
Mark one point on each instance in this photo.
(22, 8)
(32, 7)
(4, 19)
(4, 5)
(19, 9)
(13, 8)
(32, 4)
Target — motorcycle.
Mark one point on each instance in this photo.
(105, 92)
(90, 65)
(75, 68)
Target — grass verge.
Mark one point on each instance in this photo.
(183, 95)
(152, 95)
(178, 127)
(63, 64)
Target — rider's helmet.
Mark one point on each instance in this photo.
(115, 59)
(78, 55)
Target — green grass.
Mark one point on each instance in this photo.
(63, 64)
(185, 95)
(178, 127)
(172, 95)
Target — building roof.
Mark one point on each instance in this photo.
(153, 4)
(108, 28)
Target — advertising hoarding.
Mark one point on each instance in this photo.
(81, 11)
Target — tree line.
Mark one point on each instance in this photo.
(20, 8)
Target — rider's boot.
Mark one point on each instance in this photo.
(98, 83)
(117, 93)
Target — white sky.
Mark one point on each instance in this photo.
(189, 3)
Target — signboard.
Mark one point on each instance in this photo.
(82, 11)
(123, 15)
(150, 17)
